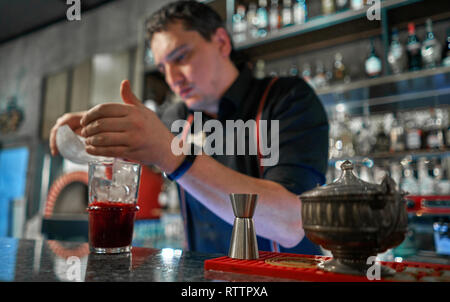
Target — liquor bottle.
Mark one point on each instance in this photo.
(396, 55)
(431, 48)
(343, 137)
(413, 49)
(409, 182)
(260, 69)
(274, 16)
(356, 4)
(300, 12)
(339, 70)
(342, 5)
(397, 135)
(426, 183)
(307, 76)
(373, 64)
(320, 79)
(365, 174)
(413, 137)
(263, 18)
(327, 7)
(433, 132)
(252, 21)
(239, 24)
(446, 55)
(396, 174)
(382, 143)
(286, 13)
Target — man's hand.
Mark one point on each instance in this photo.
(70, 119)
(130, 131)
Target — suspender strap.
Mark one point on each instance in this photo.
(258, 118)
(274, 246)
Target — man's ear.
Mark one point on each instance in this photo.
(223, 41)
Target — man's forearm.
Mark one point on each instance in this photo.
(278, 212)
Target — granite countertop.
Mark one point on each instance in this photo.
(50, 260)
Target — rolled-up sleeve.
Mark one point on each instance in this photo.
(303, 138)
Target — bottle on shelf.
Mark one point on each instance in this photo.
(446, 55)
(364, 137)
(339, 69)
(357, 4)
(342, 137)
(413, 131)
(274, 16)
(441, 184)
(382, 143)
(300, 12)
(409, 182)
(426, 182)
(328, 7)
(397, 134)
(286, 13)
(320, 78)
(342, 5)
(396, 173)
(239, 24)
(307, 75)
(263, 19)
(413, 47)
(433, 132)
(396, 54)
(373, 65)
(365, 174)
(260, 69)
(431, 48)
(252, 21)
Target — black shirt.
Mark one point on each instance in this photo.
(302, 158)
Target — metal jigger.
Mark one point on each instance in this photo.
(243, 243)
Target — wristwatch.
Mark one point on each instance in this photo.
(185, 165)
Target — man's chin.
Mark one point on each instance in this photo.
(193, 103)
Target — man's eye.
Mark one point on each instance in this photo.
(180, 58)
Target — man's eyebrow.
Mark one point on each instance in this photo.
(174, 53)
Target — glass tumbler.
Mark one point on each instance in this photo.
(113, 193)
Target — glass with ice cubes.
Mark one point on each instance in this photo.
(113, 193)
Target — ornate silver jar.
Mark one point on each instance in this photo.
(354, 220)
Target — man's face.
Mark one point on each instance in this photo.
(191, 65)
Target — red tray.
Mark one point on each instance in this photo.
(304, 268)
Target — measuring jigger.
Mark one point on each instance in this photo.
(243, 243)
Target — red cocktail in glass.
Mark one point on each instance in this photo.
(111, 225)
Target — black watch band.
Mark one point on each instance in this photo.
(185, 165)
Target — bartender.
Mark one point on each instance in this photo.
(194, 52)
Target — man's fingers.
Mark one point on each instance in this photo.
(127, 94)
(111, 124)
(104, 110)
(108, 139)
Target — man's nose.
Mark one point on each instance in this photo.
(174, 76)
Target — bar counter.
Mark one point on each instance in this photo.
(50, 260)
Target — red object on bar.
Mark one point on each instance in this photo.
(428, 204)
(271, 264)
(150, 187)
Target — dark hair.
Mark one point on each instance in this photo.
(194, 16)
